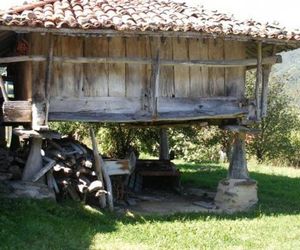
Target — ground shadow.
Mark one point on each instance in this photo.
(73, 225)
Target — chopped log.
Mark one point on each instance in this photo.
(98, 166)
(59, 167)
(95, 186)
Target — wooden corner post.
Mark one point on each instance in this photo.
(40, 104)
(259, 81)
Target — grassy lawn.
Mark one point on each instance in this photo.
(274, 224)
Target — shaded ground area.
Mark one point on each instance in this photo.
(167, 203)
(274, 224)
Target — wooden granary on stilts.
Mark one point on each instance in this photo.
(140, 62)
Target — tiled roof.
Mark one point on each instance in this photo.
(137, 15)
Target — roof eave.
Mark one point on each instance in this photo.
(111, 32)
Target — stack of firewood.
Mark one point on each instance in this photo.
(71, 171)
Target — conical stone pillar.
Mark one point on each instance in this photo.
(237, 192)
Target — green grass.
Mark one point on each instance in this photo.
(274, 224)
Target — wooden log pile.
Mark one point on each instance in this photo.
(70, 169)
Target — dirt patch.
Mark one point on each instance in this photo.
(168, 203)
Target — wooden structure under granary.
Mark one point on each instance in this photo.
(138, 62)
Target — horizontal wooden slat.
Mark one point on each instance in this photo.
(17, 111)
(138, 60)
(95, 104)
(127, 110)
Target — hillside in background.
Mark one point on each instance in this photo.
(288, 72)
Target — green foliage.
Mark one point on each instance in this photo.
(78, 130)
(195, 144)
(277, 141)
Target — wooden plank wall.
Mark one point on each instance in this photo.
(131, 80)
(235, 77)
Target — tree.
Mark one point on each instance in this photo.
(275, 142)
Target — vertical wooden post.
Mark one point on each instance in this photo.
(264, 91)
(102, 173)
(238, 163)
(34, 161)
(40, 105)
(98, 166)
(155, 80)
(259, 80)
(164, 145)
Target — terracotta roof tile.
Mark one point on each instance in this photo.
(142, 15)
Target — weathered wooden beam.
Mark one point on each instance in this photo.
(155, 83)
(17, 59)
(49, 77)
(98, 164)
(138, 60)
(108, 109)
(259, 80)
(113, 33)
(264, 92)
(17, 111)
(49, 67)
(51, 163)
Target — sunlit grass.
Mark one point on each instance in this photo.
(274, 224)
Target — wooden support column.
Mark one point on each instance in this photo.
(264, 91)
(49, 76)
(164, 145)
(238, 163)
(259, 81)
(40, 105)
(155, 77)
(34, 161)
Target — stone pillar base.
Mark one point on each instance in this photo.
(236, 195)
